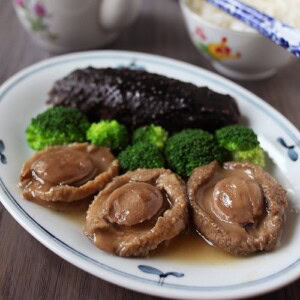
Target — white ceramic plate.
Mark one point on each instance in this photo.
(24, 95)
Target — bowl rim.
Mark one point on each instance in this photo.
(198, 17)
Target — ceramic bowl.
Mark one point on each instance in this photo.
(239, 55)
(73, 25)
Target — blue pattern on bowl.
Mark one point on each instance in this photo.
(292, 154)
(280, 33)
(133, 66)
(3, 159)
(162, 275)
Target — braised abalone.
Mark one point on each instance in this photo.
(137, 211)
(239, 208)
(63, 177)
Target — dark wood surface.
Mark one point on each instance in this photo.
(28, 270)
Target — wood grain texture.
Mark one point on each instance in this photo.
(28, 270)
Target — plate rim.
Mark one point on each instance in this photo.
(286, 125)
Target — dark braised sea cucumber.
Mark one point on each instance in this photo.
(136, 98)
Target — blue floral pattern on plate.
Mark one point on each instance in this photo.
(2, 156)
(133, 66)
(159, 273)
(292, 154)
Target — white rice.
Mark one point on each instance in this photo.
(287, 11)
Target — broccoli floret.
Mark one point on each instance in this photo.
(236, 138)
(192, 148)
(242, 144)
(141, 155)
(57, 126)
(255, 155)
(152, 134)
(110, 134)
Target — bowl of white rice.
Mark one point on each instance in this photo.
(235, 49)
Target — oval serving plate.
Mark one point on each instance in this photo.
(24, 95)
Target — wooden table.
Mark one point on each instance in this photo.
(28, 270)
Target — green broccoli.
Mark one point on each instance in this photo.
(152, 134)
(57, 126)
(191, 148)
(242, 143)
(141, 155)
(255, 155)
(237, 138)
(110, 134)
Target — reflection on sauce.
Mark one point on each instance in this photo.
(189, 248)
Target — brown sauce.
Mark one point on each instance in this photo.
(189, 248)
(75, 217)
